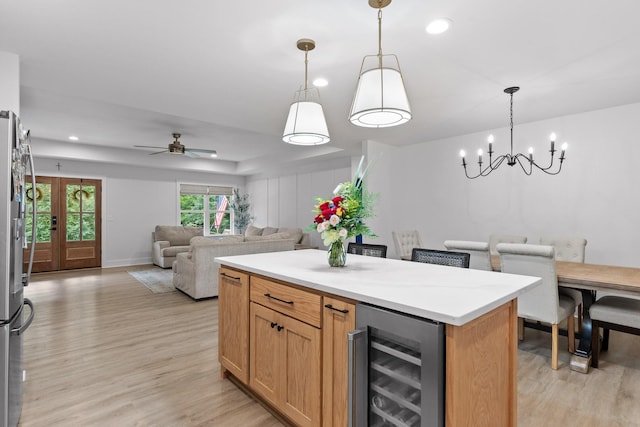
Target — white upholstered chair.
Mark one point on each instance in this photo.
(479, 252)
(494, 239)
(404, 242)
(569, 249)
(543, 303)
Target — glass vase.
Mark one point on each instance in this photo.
(337, 254)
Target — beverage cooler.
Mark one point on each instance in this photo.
(396, 370)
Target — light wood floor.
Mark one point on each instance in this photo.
(103, 350)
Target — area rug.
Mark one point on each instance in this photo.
(158, 280)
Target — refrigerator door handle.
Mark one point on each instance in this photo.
(20, 330)
(357, 365)
(26, 277)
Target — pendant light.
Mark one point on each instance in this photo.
(380, 99)
(306, 124)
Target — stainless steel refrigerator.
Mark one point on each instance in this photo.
(16, 163)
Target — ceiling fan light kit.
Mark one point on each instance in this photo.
(306, 124)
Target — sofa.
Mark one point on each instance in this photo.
(170, 240)
(300, 238)
(196, 274)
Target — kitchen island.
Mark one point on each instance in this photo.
(284, 319)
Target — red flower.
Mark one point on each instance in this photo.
(318, 219)
(327, 213)
(324, 206)
(336, 200)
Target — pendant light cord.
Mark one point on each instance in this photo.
(511, 121)
(380, 37)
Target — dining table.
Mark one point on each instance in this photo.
(590, 279)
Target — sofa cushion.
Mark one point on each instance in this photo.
(274, 236)
(269, 230)
(253, 231)
(172, 251)
(294, 233)
(176, 235)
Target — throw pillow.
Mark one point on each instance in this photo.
(269, 230)
(295, 233)
(253, 231)
(274, 236)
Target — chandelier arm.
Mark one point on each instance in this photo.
(546, 170)
(517, 158)
(487, 170)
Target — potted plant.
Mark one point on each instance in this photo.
(240, 206)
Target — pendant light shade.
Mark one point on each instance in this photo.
(306, 124)
(380, 99)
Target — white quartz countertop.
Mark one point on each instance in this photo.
(445, 294)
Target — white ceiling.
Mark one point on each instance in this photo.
(122, 73)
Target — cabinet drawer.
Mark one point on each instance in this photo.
(299, 304)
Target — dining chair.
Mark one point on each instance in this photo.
(612, 312)
(543, 303)
(379, 251)
(448, 258)
(569, 249)
(404, 241)
(478, 252)
(494, 239)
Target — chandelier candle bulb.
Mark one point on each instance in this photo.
(531, 154)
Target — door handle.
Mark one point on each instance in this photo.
(356, 381)
(26, 324)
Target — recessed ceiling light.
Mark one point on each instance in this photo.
(74, 138)
(439, 26)
(320, 82)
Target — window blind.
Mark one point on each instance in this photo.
(205, 189)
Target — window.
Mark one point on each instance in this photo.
(206, 206)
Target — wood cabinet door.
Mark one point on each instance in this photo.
(265, 358)
(339, 319)
(233, 323)
(302, 382)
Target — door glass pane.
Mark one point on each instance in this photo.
(88, 226)
(43, 225)
(73, 198)
(43, 197)
(73, 227)
(88, 198)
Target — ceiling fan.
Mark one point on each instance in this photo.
(177, 148)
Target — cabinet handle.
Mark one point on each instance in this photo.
(278, 299)
(280, 328)
(330, 307)
(231, 277)
(273, 324)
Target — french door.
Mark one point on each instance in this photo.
(68, 224)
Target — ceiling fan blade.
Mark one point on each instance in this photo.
(147, 146)
(188, 153)
(209, 153)
(158, 152)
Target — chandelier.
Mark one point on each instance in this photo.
(525, 162)
(380, 99)
(306, 124)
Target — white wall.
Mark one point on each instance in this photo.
(10, 82)
(595, 195)
(288, 200)
(134, 201)
(423, 187)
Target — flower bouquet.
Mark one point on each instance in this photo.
(343, 216)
